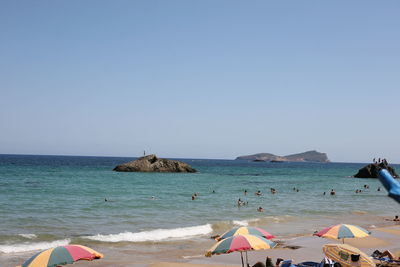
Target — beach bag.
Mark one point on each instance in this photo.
(355, 257)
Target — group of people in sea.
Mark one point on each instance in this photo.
(332, 193)
(384, 161)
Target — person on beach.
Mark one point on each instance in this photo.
(386, 253)
(215, 237)
(278, 262)
(268, 262)
(333, 192)
(395, 219)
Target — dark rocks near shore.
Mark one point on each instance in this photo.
(151, 163)
(372, 170)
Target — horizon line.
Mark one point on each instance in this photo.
(102, 156)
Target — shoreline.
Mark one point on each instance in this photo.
(190, 253)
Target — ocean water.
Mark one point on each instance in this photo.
(47, 201)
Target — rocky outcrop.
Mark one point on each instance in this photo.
(151, 163)
(309, 156)
(371, 170)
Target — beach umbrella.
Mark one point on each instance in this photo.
(61, 255)
(240, 243)
(244, 230)
(347, 255)
(342, 231)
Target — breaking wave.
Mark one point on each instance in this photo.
(28, 236)
(23, 247)
(155, 235)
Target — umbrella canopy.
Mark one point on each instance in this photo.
(342, 231)
(246, 231)
(240, 243)
(342, 253)
(62, 255)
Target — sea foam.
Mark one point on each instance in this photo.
(28, 236)
(155, 235)
(23, 247)
(245, 222)
(241, 223)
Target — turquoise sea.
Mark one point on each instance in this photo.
(55, 200)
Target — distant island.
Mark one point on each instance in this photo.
(309, 156)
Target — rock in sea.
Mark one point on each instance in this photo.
(371, 170)
(151, 163)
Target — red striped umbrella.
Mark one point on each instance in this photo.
(244, 230)
(61, 255)
(240, 243)
(342, 231)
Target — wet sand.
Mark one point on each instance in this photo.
(382, 238)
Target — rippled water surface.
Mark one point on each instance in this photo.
(50, 200)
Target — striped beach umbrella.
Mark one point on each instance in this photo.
(342, 231)
(61, 255)
(241, 243)
(244, 230)
(347, 255)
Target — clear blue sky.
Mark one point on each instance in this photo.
(200, 79)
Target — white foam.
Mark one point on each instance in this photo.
(29, 236)
(241, 223)
(155, 235)
(22, 247)
(244, 222)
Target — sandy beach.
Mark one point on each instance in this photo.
(309, 249)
